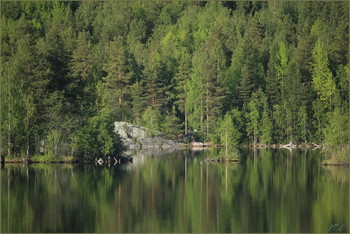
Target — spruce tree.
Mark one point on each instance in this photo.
(322, 78)
(138, 102)
(182, 78)
(172, 124)
(246, 86)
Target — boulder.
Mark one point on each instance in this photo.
(135, 137)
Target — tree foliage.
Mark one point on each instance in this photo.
(280, 72)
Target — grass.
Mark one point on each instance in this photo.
(42, 159)
(50, 158)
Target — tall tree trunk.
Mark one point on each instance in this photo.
(27, 147)
(27, 135)
(254, 136)
(186, 122)
(226, 140)
(207, 109)
(9, 138)
(9, 125)
(201, 117)
(0, 126)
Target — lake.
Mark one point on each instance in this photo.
(268, 191)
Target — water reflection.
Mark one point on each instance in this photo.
(269, 191)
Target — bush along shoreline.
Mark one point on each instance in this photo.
(337, 157)
(334, 156)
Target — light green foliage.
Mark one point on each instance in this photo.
(337, 131)
(195, 97)
(266, 127)
(322, 78)
(258, 123)
(228, 132)
(281, 66)
(53, 140)
(172, 125)
(151, 119)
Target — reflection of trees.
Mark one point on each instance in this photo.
(273, 191)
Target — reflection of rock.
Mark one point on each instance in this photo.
(149, 152)
(100, 161)
(195, 145)
(139, 155)
(135, 137)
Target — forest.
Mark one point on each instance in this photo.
(227, 72)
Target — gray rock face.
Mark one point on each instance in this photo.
(134, 137)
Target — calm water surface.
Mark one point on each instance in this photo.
(269, 191)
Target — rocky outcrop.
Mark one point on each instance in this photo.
(134, 137)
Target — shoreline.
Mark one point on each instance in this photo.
(194, 146)
(66, 160)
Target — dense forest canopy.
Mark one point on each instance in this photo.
(228, 72)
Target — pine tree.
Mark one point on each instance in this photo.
(213, 78)
(118, 77)
(154, 80)
(81, 68)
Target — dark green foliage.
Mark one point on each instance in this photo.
(118, 78)
(97, 138)
(271, 72)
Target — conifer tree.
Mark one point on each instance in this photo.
(138, 102)
(118, 77)
(172, 124)
(322, 79)
(246, 86)
(266, 126)
(182, 78)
